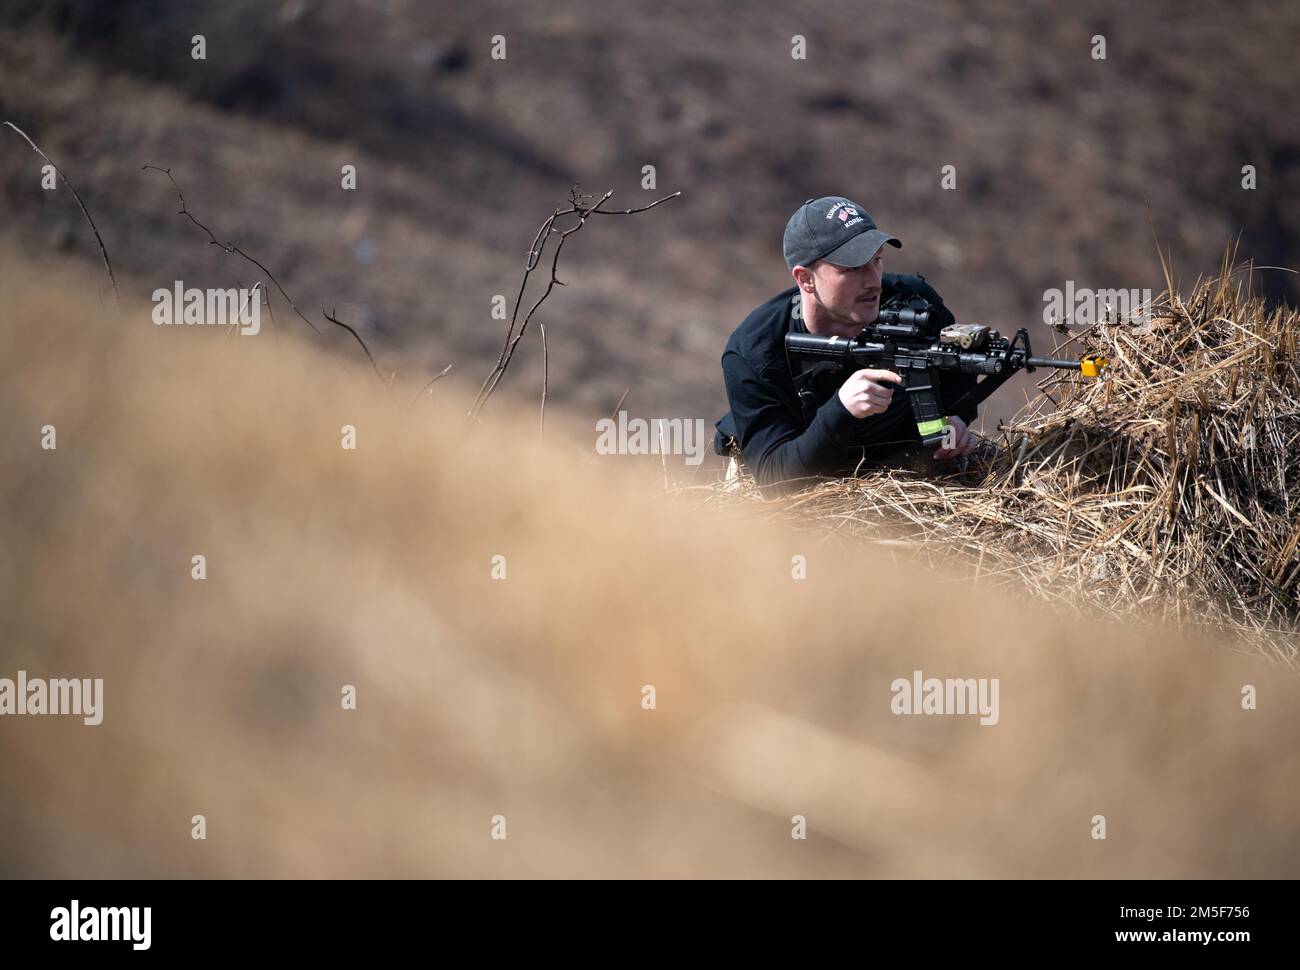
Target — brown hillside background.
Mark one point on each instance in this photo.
(461, 157)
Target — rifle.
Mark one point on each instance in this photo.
(921, 343)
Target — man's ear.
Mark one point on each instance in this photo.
(802, 277)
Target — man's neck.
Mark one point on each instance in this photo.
(816, 317)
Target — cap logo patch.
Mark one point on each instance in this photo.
(847, 214)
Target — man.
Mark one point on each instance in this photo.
(826, 422)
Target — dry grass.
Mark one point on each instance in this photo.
(1169, 491)
(522, 697)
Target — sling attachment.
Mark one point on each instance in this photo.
(804, 373)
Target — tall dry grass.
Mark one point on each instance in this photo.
(522, 697)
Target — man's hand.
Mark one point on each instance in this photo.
(964, 441)
(867, 392)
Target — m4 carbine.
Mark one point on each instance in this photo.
(922, 344)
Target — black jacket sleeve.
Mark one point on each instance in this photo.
(772, 444)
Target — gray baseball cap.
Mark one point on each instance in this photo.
(834, 229)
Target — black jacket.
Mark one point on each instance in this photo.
(778, 441)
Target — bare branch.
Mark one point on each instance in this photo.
(436, 377)
(330, 316)
(103, 251)
(614, 414)
(230, 247)
(631, 212)
(546, 371)
(237, 322)
(581, 206)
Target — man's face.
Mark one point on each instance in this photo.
(847, 298)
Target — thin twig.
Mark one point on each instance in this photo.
(103, 250)
(231, 249)
(579, 205)
(228, 247)
(330, 316)
(432, 380)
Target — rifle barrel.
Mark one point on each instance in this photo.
(1053, 362)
